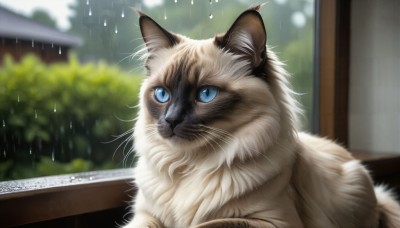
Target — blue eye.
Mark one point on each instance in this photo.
(161, 95)
(207, 94)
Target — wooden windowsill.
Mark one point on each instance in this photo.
(380, 164)
(46, 198)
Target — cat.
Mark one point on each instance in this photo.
(219, 146)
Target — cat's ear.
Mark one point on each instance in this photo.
(154, 36)
(246, 37)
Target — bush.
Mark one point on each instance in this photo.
(63, 113)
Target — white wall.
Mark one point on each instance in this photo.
(374, 112)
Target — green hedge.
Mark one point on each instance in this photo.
(56, 118)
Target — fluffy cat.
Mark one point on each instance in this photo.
(218, 144)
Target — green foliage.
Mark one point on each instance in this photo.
(64, 111)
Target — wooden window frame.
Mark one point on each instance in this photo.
(332, 68)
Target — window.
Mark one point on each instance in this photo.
(335, 104)
(61, 107)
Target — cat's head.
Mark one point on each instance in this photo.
(212, 92)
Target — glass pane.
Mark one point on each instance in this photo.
(70, 80)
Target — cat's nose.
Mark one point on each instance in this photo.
(173, 122)
(174, 116)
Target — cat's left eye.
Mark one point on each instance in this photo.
(207, 93)
(161, 94)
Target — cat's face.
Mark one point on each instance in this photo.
(204, 92)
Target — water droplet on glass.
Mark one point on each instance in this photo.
(123, 13)
(192, 2)
(211, 16)
(87, 2)
(70, 124)
(35, 114)
(59, 50)
(55, 108)
(90, 11)
(105, 22)
(4, 123)
(33, 43)
(18, 98)
(116, 30)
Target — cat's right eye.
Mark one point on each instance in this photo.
(161, 94)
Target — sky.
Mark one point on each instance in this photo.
(57, 9)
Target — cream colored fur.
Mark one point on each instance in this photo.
(255, 167)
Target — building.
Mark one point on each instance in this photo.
(20, 35)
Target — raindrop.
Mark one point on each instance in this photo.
(12, 111)
(4, 153)
(33, 43)
(165, 15)
(87, 2)
(90, 11)
(89, 150)
(70, 124)
(4, 123)
(176, 1)
(59, 50)
(216, 1)
(35, 114)
(55, 107)
(62, 129)
(52, 155)
(123, 13)
(192, 2)
(52, 45)
(105, 22)
(116, 30)
(18, 98)
(30, 150)
(211, 16)
(16, 40)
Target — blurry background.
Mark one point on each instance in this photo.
(69, 78)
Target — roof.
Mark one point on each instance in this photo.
(14, 26)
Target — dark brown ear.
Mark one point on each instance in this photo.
(246, 37)
(154, 35)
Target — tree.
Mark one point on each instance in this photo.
(43, 17)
